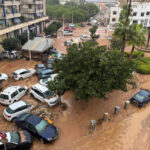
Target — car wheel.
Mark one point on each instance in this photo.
(42, 141)
(21, 78)
(14, 119)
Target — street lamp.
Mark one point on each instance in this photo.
(29, 44)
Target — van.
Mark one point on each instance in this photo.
(45, 73)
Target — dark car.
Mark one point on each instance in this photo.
(51, 51)
(49, 63)
(21, 140)
(39, 68)
(37, 127)
(141, 98)
(45, 73)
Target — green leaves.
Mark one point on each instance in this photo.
(90, 70)
(10, 44)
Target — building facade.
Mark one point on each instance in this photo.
(18, 16)
(140, 14)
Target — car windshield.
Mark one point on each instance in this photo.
(10, 111)
(40, 66)
(24, 117)
(41, 125)
(48, 93)
(45, 80)
(3, 96)
(140, 97)
(14, 137)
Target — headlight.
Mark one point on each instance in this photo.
(49, 139)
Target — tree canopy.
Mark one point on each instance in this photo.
(10, 44)
(79, 12)
(90, 70)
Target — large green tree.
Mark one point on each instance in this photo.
(136, 37)
(93, 34)
(10, 44)
(90, 70)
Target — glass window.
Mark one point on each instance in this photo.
(3, 96)
(24, 117)
(142, 14)
(114, 12)
(134, 13)
(21, 89)
(9, 110)
(113, 19)
(15, 137)
(48, 93)
(41, 126)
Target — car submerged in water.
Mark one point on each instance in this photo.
(141, 98)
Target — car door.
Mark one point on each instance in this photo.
(21, 110)
(37, 94)
(22, 92)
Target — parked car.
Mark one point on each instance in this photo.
(15, 55)
(45, 73)
(43, 94)
(19, 140)
(37, 127)
(39, 68)
(22, 74)
(141, 98)
(52, 51)
(5, 54)
(14, 110)
(71, 25)
(84, 37)
(1, 56)
(82, 25)
(67, 33)
(68, 43)
(12, 94)
(68, 28)
(3, 76)
(46, 80)
(49, 63)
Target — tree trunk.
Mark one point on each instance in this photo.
(131, 53)
(124, 36)
(148, 39)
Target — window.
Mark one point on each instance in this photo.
(135, 21)
(142, 14)
(114, 12)
(30, 6)
(134, 13)
(3, 96)
(14, 94)
(148, 13)
(21, 89)
(113, 19)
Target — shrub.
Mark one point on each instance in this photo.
(143, 65)
(136, 54)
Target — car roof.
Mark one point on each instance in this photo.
(32, 119)
(144, 93)
(11, 89)
(17, 105)
(40, 87)
(20, 70)
(46, 70)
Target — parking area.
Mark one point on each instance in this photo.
(73, 123)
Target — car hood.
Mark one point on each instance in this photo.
(49, 132)
(32, 70)
(52, 98)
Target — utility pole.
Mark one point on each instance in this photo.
(63, 25)
(29, 44)
(72, 17)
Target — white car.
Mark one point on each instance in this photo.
(23, 73)
(71, 25)
(3, 76)
(43, 94)
(84, 37)
(12, 94)
(14, 110)
(46, 80)
(67, 33)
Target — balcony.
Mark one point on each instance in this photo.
(1, 15)
(10, 15)
(27, 10)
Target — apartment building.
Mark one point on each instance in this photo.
(140, 14)
(18, 16)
